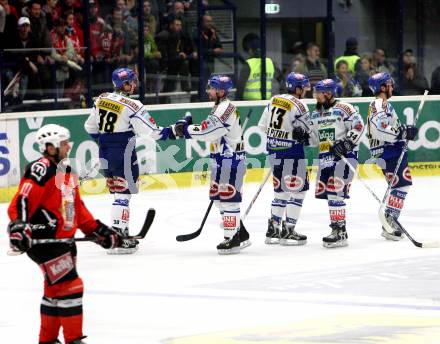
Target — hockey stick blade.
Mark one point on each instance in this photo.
(429, 244)
(190, 236)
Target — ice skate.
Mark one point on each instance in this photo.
(337, 238)
(272, 234)
(230, 245)
(244, 237)
(289, 237)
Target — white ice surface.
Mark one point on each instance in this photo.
(266, 294)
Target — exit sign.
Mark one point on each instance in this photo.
(272, 8)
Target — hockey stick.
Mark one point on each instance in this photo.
(193, 235)
(141, 235)
(257, 194)
(430, 244)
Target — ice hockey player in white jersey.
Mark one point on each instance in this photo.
(387, 137)
(336, 127)
(281, 117)
(114, 122)
(223, 131)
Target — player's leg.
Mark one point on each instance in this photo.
(399, 189)
(298, 183)
(278, 205)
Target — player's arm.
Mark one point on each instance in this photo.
(91, 125)
(145, 125)
(263, 122)
(302, 127)
(354, 126)
(211, 129)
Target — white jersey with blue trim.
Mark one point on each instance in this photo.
(383, 130)
(115, 117)
(281, 115)
(222, 129)
(340, 121)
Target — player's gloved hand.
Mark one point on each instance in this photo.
(107, 237)
(181, 126)
(20, 235)
(300, 134)
(407, 132)
(342, 147)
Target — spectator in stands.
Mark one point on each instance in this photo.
(2, 22)
(178, 12)
(149, 18)
(249, 81)
(351, 56)
(64, 54)
(347, 86)
(152, 57)
(175, 48)
(363, 73)
(97, 24)
(51, 12)
(211, 46)
(20, 68)
(435, 81)
(75, 34)
(38, 25)
(10, 22)
(413, 82)
(380, 63)
(312, 67)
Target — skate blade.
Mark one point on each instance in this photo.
(271, 241)
(245, 244)
(291, 242)
(391, 237)
(233, 250)
(120, 250)
(335, 244)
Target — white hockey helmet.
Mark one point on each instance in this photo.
(51, 133)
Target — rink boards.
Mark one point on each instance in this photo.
(183, 163)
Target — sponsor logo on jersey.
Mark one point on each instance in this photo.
(110, 105)
(335, 184)
(277, 134)
(38, 170)
(227, 191)
(130, 103)
(282, 103)
(326, 134)
(125, 215)
(276, 144)
(58, 267)
(395, 202)
(337, 215)
(344, 107)
(294, 183)
(229, 110)
(151, 119)
(229, 222)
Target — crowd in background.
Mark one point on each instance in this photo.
(52, 66)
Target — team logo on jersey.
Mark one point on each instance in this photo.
(276, 182)
(335, 184)
(294, 183)
(407, 174)
(38, 170)
(213, 189)
(390, 176)
(320, 188)
(58, 267)
(227, 191)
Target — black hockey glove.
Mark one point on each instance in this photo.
(342, 147)
(107, 237)
(20, 235)
(407, 132)
(299, 134)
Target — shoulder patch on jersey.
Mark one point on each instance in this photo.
(229, 110)
(282, 103)
(345, 107)
(315, 114)
(300, 105)
(40, 171)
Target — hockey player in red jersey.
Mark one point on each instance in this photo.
(48, 196)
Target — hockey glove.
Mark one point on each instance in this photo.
(299, 134)
(20, 235)
(407, 132)
(342, 147)
(181, 126)
(107, 237)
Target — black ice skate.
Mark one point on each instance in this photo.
(337, 238)
(230, 245)
(396, 235)
(244, 237)
(289, 237)
(127, 246)
(272, 234)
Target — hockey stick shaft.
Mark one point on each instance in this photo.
(257, 194)
(431, 244)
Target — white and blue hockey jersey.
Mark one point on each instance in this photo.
(284, 112)
(383, 130)
(341, 121)
(115, 119)
(222, 129)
